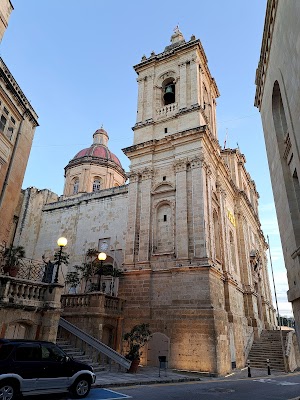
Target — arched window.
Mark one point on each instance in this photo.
(75, 185)
(168, 91)
(97, 184)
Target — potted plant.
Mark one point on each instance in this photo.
(11, 259)
(136, 339)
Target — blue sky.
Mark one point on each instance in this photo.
(73, 60)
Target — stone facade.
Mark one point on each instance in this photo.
(185, 230)
(277, 81)
(18, 121)
(6, 8)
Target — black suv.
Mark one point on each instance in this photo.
(30, 367)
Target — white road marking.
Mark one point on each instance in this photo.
(280, 383)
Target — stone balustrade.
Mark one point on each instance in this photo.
(28, 294)
(97, 302)
(164, 111)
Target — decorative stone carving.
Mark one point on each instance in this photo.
(147, 173)
(133, 177)
(180, 165)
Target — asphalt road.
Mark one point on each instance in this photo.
(284, 388)
(276, 388)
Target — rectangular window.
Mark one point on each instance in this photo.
(165, 218)
(2, 123)
(164, 178)
(166, 130)
(6, 110)
(13, 120)
(10, 132)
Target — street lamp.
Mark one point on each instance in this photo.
(62, 242)
(101, 258)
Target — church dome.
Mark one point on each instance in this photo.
(99, 148)
(94, 168)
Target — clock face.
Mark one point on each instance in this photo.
(104, 246)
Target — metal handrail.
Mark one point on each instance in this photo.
(95, 343)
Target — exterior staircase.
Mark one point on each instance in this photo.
(268, 346)
(78, 354)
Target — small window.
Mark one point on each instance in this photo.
(165, 218)
(2, 123)
(13, 120)
(75, 186)
(166, 130)
(164, 178)
(10, 132)
(96, 185)
(6, 111)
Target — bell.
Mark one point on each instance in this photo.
(169, 95)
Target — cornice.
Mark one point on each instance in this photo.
(17, 93)
(155, 142)
(95, 161)
(265, 50)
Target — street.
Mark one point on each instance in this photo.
(275, 388)
(287, 387)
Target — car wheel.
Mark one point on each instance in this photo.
(81, 387)
(8, 391)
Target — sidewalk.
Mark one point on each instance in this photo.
(150, 375)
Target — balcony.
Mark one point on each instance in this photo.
(27, 287)
(167, 110)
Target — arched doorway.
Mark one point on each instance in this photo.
(18, 330)
(158, 345)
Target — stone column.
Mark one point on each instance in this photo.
(181, 210)
(140, 104)
(131, 219)
(182, 75)
(145, 215)
(201, 87)
(194, 82)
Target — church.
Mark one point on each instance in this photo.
(182, 225)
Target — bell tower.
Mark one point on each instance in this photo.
(168, 250)
(175, 91)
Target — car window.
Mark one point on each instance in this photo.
(52, 353)
(5, 350)
(28, 353)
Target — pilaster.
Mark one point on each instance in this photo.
(145, 215)
(181, 210)
(132, 215)
(198, 208)
(182, 80)
(194, 82)
(141, 89)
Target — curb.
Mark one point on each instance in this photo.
(140, 383)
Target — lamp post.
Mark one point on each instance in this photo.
(62, 242)
(101, 258)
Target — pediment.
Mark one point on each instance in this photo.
(163, 187)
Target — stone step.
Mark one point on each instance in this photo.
(79, 355)
(268, 346)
